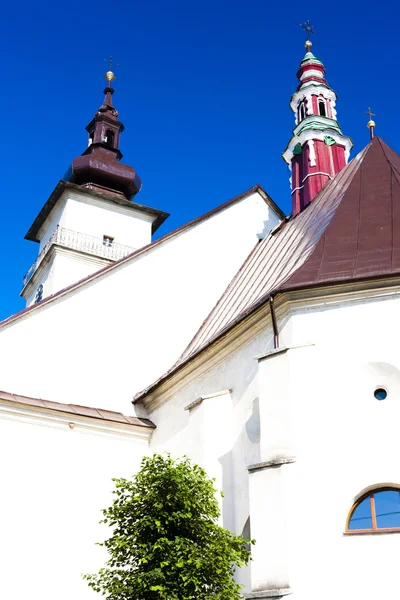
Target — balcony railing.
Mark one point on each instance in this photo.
(103, 247)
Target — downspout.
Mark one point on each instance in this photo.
(274, 323)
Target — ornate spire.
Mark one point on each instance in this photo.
(99, 164)
(318, 150)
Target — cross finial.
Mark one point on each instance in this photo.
(110, 76)
(111, 61)
(308, 30)
(370, 113)
(371, 124)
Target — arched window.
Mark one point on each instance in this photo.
(110, 138)
(302, 111)
(322, 107)
(91, 138)
(379, 510)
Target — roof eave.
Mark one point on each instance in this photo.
(159, 216)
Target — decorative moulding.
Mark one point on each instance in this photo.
(206, 397)
(270, 594)
(275, 462)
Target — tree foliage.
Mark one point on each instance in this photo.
(166, 543)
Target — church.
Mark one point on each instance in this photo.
(262, 345)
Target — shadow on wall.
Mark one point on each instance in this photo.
(235, 504)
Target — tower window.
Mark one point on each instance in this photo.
(91, 138)
(322, 108)
(302, 111)
(39, 293)
(379, 510)
(109, 140)
(108, 241)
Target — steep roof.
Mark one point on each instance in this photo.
(350, 231)
(363, 239)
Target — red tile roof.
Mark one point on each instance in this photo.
(75, 409)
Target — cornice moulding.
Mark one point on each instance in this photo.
(71, 423)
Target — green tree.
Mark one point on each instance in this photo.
(166, 543)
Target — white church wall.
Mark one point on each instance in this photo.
(345, 441)
(222, 432)
(55, 481)
(82, 215)
(50, 224)
(342, 441)
(61, 268)
(105, 341)
(85, 214)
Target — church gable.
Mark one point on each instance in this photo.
(137, 315)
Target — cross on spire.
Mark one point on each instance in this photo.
(308, 29)
(370, 113)
(110, 60)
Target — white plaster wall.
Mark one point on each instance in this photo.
(325, 415)
(85, 214)
(61, 268)
(345, 441)
(54, 483)
(105, 341)
(221, 433)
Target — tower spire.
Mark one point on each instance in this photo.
(99, 164)
(318, 150)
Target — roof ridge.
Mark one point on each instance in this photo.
(385, 149)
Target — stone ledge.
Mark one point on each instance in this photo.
(273, 352)
(268, 594)
(269, 464)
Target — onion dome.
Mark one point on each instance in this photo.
(99, 165)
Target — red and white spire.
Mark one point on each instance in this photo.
(318, 150)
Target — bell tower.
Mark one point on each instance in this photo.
(318, 150)
(90, 219)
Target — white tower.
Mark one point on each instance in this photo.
(89, 220)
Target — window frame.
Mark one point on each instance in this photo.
(322, 101)
(108, 241)
(374, 530)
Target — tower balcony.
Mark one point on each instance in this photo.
(105, 247)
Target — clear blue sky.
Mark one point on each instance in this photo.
(202, 88)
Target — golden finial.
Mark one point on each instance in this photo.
(308, 45)
(110, 76)
(371, 124)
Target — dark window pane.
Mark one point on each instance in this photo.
(361, 517)
(380, 394)
(387, 508)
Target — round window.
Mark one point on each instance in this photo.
(380, 394)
